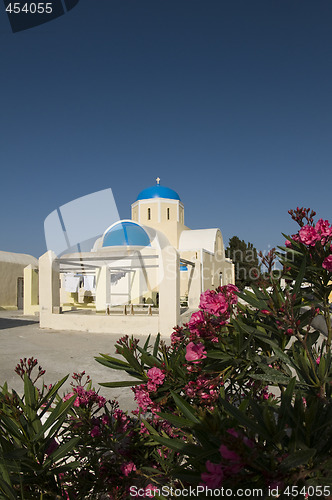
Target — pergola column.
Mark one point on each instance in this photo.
(103, 287)
(49, 284)
(169, 290)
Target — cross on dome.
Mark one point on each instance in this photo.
(158, 180)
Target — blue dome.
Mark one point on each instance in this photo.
(126, 233)
(158, 191)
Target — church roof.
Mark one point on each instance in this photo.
(158, 191)
(126, 233)
(18, 258)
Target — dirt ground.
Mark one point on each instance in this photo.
(59, 353)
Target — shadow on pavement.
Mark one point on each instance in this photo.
(14, 323)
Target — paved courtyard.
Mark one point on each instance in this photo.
(59, 353)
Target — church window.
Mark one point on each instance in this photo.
(149, 213)
(168, 214)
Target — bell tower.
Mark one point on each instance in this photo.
(161, 208)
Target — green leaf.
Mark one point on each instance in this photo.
(300, 276)
(243, 420)
(148, 359)
(31, 403)
(173, 444)
(7, 490)
(218, 355)
(126, 383)
(111, 362)
(273, 377)
(52, 392)
(184, 407)
(297, 458)
(177, 421)
(61, 409)
(146, 345)
(11, 426)
(156, 346)
(128, 355)
(62, 451)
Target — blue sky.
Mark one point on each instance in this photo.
(228, 102)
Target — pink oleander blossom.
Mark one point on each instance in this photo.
(213, 303)
(308, 235)
(214, 477)
(327, 263)
(54, 445)
(231, 293)
(323, 227)
(229, 454)
(127, 468)
(177, 336)
(156, 376)
(123, 421)
(142, 397)
(288, 244)
(197, 320)
(151, 387)
(95, 431)
(195, 352)
(101, 401)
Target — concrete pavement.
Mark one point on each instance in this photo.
(59, 353)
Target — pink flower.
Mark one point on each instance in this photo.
(177, 336)
(327, 263)
(231, 293)
(213, 478)
(318, 360)
(151, 387)
(288, 244)
(197, 319)
(105, 420)
(95, 431)
(228, 454)
(142, 397)
(213, 303)
(52, 447)
(68, 396)
(127, 468)
(101, 401)
(156, 376)
(195, 352)
(323, 227)
(308, 235)
(233, 432)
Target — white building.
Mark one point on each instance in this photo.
(144, 275)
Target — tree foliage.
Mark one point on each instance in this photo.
(245, 259)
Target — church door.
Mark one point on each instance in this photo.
(20, 292)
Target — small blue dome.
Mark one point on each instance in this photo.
(126, 233)
(158, 191)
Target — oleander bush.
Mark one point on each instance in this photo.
(240, 398)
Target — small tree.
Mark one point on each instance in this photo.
(244, 257)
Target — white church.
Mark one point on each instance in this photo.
(143, 275)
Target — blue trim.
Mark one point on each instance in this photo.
(158, 191)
